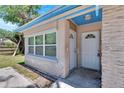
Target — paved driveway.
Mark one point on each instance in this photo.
(9, 78)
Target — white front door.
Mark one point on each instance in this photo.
(90, 49)
(72, 49)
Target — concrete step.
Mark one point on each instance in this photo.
(61, 84)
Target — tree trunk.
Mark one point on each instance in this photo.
(17, 47)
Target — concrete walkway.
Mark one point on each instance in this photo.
(9, 78)
(83, 78)
(80, 78)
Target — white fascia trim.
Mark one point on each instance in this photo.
(58, 17)
(64, 16)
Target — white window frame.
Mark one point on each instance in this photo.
(43, 33)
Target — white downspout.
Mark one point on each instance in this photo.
(97, 10)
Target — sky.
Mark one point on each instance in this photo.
(9, 26)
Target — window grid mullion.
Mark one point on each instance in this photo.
(39, 45)
(43, 44)
(34, 46)
(50, 45)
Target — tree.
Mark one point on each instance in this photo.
(8, 35)
(16, 37)
(19, 14)
(13, 36)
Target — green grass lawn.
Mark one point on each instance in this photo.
(10, 61)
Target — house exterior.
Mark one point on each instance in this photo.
(73, 36)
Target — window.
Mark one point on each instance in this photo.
(31, 45)
(50, 44)
(31, 41)
(43, 45)
(90, 36)
(31, 49)
(39, 40)
(39, 50)
(50, 50)
(50, 38)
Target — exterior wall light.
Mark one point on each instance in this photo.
(87, 17)
(71, 36)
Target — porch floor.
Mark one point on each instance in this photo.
(83, 78)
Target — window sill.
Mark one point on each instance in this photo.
(45, 58)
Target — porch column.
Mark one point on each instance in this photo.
(113, 46)
(63, 36)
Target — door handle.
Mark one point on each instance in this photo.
(98, 54)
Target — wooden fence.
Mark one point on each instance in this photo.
(6, 51)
